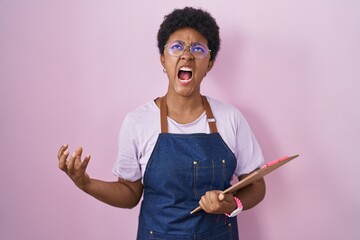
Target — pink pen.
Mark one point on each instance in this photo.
(275, 161)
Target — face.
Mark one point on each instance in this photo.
(185, 72)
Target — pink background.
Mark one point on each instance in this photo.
(71, 70)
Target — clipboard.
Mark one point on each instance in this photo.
(255, 175)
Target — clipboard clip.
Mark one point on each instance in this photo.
(274, 162)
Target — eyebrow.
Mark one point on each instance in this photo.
(183, 43)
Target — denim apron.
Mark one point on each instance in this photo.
(181, 168)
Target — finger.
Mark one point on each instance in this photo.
(221, 197)
(209, 197)
(85, 163)
(63, 160)
(207, 202)
(70, 163)
(62, 150)
(213, 196)
(78, 151)
(203, 203)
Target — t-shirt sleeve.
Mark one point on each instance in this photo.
(127, 165)
(247, 151)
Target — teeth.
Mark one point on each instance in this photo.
(187, 69)
(184, 81)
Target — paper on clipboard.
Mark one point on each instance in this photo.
(255, 175)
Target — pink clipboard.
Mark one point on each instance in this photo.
(255, 175)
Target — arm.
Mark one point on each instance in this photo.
(121, 193)
(251, 195)
(218, 203)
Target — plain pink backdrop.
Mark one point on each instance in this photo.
(71, 70)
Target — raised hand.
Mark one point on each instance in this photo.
(73, 166)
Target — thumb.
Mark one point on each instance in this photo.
(221, 197)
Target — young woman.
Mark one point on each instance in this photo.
(182, 149)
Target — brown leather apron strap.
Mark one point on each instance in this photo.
(163, 115)
(209, 115)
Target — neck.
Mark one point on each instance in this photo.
(184, 109)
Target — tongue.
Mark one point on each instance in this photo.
(184, 75)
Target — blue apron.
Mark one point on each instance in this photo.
(181, 168)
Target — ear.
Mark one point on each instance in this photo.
(210, 65)
(162, 60)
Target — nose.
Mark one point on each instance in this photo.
(187, 54)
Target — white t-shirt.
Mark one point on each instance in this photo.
(141, 128)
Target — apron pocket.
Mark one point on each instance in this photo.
(209, 175)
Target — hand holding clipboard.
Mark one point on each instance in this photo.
(255, 175)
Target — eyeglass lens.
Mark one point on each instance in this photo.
(198, 50)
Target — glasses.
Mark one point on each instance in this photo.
(198, 49)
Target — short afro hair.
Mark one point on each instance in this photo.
(197, 19)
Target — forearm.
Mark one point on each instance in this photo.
(122, 194)
(253, 194)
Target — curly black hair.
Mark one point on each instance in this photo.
(197, 19)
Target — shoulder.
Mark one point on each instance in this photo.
(142, 121)
(144, 114)
(226, 111)
(217, 103)
(138, 126)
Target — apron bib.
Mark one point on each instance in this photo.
(182, 167)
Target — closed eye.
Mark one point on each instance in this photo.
(198, 48)
(177, 46)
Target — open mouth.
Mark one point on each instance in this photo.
(185, 75)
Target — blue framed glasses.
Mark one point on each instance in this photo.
(198, 49)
